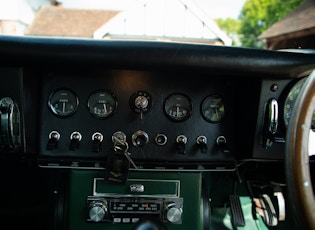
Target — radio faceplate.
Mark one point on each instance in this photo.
(139, 199)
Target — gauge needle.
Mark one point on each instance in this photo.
(105, 109)
(216, 112)
(63, 106)
(177, 111)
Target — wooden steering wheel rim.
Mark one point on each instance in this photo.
(299, 184)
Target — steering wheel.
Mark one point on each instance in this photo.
(298, 176)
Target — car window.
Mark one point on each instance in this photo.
(263, 24)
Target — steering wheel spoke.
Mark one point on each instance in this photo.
(300, 144)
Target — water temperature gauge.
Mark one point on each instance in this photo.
(212, 108)
(102, 104)
(63, 102)
(178, 107)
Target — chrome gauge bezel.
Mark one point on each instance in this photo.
(212, 108)
(108, 100)
(183, 106)
(290, 100)
(66, 99)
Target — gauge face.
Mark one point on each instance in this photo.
(290, 102)
(178, 107)
(212, 109)
(63, 102)
(102, 104)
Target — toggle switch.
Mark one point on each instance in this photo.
(221, 142)
(75, 138)
(202, 142)
(181, 141)
(97, 139)
(54, 137)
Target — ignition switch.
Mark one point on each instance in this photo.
(140, 102)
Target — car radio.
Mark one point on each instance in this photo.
(139, 199)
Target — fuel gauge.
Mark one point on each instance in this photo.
(178, 107)
(63, 102)
(212, 108)
(102, 104)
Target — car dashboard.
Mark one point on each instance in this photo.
(88, 125)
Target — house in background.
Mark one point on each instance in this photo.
(171, 20)
(16, 15)
(176, 20)
(65, 22)
(294, 31)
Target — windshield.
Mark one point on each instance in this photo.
(263, 24)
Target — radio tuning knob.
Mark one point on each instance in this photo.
(97, 211)
(173, 213)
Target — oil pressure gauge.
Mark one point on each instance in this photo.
(102, 104)
(63, 102)
(212, 108)
(178, 107)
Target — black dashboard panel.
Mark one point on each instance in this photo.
(244, 79)
(124, 84)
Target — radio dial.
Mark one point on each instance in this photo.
(174, 213)
(97, 211)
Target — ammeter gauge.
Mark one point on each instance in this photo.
(63, 102)
(212, 108)
(102, 104)
(178, 107)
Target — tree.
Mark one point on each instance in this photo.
(231, 27)
(258, 15)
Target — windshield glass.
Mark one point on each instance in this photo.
(264, 24)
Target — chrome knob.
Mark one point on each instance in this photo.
(140, 138)
(174, 215)
(97, 211)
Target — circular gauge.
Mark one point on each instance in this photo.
(178, 107)
(212, 108)
(63, 102)
(290, 102)
(102, 104)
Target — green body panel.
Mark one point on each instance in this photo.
(81, 186)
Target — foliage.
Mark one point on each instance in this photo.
(258, 15)
(231, 27)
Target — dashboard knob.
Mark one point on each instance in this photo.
(174, 215)
(97, 210)
(140, 138)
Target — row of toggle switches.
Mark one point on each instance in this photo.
(139, 139)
